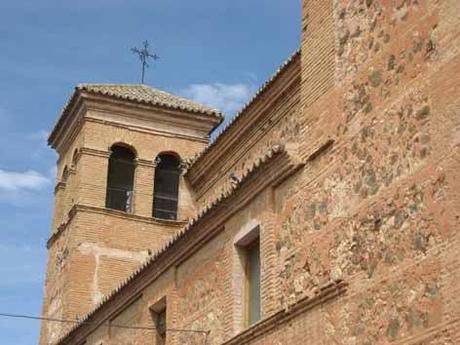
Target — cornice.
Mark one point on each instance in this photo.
(326, 293)
(268, 171)
(69, 128)
(141, 129)
(77, 208)
(60, 230)
(93, 152)
(152, 113)
(83, 101)
(320, 149)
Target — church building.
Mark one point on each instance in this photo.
(326, 212)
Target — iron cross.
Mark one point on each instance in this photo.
(144, 55)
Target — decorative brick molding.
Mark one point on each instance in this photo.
(145, 163)
(325, 294)
(105, 211)
(90, 97)
(321, 149)
(141, 129)
(93, 152)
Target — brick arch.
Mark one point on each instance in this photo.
(166, 185)
(169, 153)
(122, 144)
(120, 177)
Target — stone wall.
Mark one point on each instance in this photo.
(379, 210)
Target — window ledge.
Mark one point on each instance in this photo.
(115, 213)
(259, 329)
(127, 215)
(169, 221)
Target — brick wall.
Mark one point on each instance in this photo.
(361, 245)
(91, 249)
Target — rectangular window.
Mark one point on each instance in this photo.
(253, 282)
(158, 312)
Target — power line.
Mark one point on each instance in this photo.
(50, 319)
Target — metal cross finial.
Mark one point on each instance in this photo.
(144, 55)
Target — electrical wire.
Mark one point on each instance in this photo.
(50, 319)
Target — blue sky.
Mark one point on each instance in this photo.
(214, 51)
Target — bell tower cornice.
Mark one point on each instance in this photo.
(137, 107)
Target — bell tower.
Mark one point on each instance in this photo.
(120, 192)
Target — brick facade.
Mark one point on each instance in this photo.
(92, 248)
(347, 162)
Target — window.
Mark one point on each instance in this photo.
(158, 312)
(161, 325)
(166, 187)
(247, 276)
(252, 273)
(120, 179)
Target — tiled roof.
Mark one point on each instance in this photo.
(138, 93)
(222, 131)
(145, 94)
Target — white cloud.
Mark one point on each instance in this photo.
(229, 98)
(29, 180)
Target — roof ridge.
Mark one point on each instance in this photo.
(88, 87)
(112, 84)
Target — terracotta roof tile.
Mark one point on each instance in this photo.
(149, 95)
(138, 93)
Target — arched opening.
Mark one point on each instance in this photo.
(120, 179)
(166, 186)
